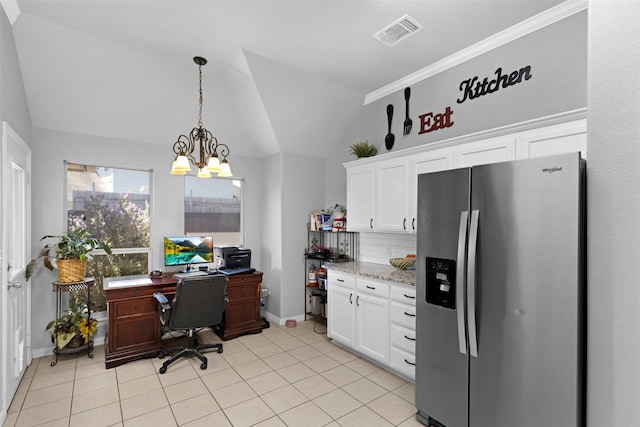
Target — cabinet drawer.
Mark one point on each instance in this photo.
(250, 290)
(403, 362)
(341, 279)
(134, 307)
(403, 314)
(134, 332)
(404, 294)
(373, 287)
(403, 338)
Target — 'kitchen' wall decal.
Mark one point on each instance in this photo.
(473, 88)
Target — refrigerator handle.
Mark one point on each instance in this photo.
(471, 284)
(462, 243)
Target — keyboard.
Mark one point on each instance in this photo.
(239, 270)
(190, 274)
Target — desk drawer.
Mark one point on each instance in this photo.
(243, 291)
(134, 307)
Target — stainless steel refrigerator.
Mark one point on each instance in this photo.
(501, 295)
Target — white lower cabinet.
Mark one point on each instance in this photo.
(374, 318)
(341, 315)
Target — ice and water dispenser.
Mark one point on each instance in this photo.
(441, 282)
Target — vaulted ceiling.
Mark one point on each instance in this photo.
(281, 75)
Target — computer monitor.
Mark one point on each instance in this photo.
(187, 250)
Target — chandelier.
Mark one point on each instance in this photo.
(210, 150)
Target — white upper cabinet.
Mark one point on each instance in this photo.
(494, 150)
(360, 197)
(430, 161)
(382, 194)
(392, 196)
(550, 140)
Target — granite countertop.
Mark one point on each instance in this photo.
(377, 271)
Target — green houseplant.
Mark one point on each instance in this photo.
(363, 149)
(73, 329)
(71, 251)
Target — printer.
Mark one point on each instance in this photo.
(232, 257)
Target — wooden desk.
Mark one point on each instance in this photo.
(134, 323)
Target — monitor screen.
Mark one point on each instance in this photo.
(183, 250)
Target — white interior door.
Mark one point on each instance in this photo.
(16, 248)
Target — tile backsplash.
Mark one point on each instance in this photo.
(379, 247)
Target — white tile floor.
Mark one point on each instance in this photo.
(281, 377)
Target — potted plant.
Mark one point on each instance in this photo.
(73, 329)
(71, 251)
(363, 149)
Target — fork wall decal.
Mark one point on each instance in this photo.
(407, 121)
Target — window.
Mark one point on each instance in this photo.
(213, 207)
(112, 205)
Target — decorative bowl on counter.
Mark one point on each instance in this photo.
(402, 263)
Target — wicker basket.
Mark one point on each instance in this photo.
(71, 270)
(75, 342)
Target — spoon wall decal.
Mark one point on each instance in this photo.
(390, 138)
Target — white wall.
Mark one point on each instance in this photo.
(52, 148)
(613, 198)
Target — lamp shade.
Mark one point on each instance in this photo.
(182, 163)
(225, 169)
(214, 164)
(203, 173)
(177, 171)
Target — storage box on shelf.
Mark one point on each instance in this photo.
(324, 246)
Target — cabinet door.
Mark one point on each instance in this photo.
(360, 197)
(431, 161)
(340, 314)
(372, 327)
(392, 196)
(551, 140)
(492, 150)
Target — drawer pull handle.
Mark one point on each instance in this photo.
(409, 338)
(410, 296)
(409, 363)
(350, 298)
(371, 287)
(410, 314)
(358, 301)
(340, 280)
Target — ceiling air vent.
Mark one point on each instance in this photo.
(398, 30)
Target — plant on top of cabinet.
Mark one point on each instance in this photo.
(363, 149)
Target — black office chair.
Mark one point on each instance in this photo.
(199, 302)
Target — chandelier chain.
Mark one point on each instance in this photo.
(200, 100)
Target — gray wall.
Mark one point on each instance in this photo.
(13, 100)
(557, 55)
(613, 176)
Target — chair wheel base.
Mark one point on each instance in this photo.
(163, 369)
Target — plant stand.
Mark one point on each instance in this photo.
(60, 287)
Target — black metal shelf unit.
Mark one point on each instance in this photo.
(324, 247)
